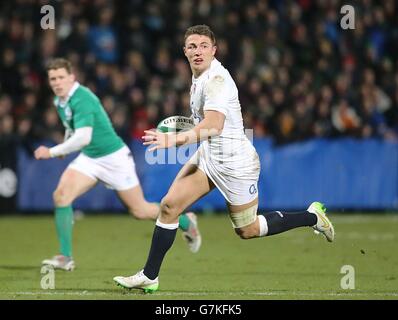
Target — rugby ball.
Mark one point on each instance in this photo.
(175, 124)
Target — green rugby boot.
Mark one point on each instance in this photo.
(323, 224)
(138, 281)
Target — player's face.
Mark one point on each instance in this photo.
(199, 51)
(60, 81)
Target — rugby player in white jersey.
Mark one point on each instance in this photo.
(226, 160)
(104, 157)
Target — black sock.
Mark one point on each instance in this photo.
(162, 240)
(278, 221)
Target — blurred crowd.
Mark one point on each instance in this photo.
(299, 74)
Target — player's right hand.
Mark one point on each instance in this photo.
(42, 152)
(158, 140)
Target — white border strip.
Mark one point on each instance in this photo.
(198, 294)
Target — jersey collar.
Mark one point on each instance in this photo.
(214, 63)
(72, 90)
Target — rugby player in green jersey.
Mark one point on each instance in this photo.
(104, 157)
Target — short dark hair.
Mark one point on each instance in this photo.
(58, 63)
(201, 29)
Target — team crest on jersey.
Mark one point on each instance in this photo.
(218, 79)
(214, 86)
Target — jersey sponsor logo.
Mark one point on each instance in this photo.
(252, 189)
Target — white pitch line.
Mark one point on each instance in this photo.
(198, 294)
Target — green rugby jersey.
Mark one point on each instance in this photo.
(84, 109)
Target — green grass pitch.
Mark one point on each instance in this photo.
(294, 265)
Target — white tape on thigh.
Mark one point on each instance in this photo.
(244, 218)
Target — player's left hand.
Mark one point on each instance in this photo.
(42, 152)
(158, 140)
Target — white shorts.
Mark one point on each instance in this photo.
(236, 180)
(115, 170)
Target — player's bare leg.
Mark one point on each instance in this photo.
(136, 204)
(141, 209)
(191, 234)
(189, 185)
(71, 185)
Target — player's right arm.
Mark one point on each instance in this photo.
(212, 125)
(216, 94)
(83, 119)
(68, 134)
(80, 139)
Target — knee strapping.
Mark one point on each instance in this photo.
(244, 218)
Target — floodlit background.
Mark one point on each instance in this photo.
(322, 102)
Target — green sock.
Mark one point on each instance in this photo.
(64, 224)
(184, 222)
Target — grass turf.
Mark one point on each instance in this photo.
(294, 265)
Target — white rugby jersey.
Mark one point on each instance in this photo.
(215, 90)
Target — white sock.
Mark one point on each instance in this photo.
(263, 225)
(169, 226)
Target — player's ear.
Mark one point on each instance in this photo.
(214, 49)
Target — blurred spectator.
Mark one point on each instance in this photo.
(49, 127)
(345, 119)
(6, 126)
(120, 123)
(299, 74)
(322, 126)
(102, 37)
